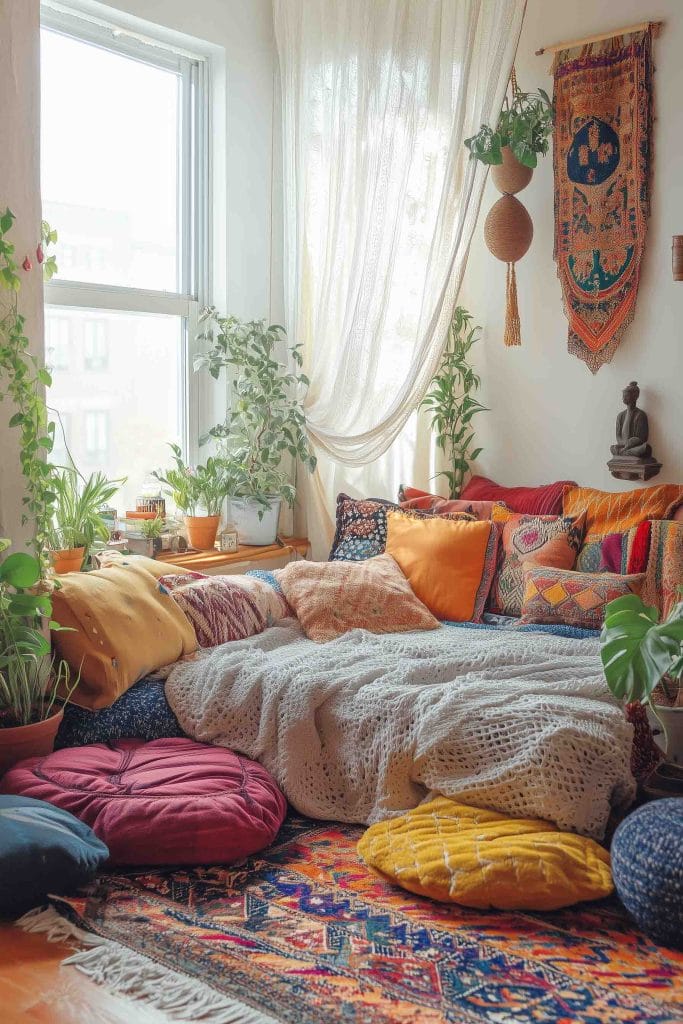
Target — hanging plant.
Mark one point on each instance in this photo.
(525, 125)
(23, 378)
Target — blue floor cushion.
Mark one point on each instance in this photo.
(647, 867)
(141, 713)
(43, 850)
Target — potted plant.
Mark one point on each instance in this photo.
(192, 489)
(29, 679)
(265, 422)
(643, 661)
(451, 403)
(522, 133)
(77, 522)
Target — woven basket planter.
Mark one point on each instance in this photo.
(510, 176)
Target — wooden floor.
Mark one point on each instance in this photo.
(35, 988)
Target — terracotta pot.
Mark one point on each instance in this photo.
(34, 740)
(511, 176)
(201, 531)
(67, 560)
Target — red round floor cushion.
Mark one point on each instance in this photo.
(171, 801)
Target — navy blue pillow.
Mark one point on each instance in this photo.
(141, 713)
(43, 849)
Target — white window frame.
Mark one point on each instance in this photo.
(195, 240)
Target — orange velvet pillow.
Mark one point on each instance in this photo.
(449, 564)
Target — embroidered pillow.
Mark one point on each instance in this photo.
(626, 552)
(450, 564)
(219, 609)
(573, 598)
(541, 540)
(608, 512)
(331, 598)
(362, 527)
(535, 501)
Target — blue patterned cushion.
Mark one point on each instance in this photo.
(361, 528)
(647, 866)
(140, 713)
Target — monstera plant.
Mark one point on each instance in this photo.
(643, 661)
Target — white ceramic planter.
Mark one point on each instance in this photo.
(673, 723)
(244, 513)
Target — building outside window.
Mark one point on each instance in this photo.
(124, 183)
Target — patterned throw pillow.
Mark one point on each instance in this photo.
(664, 574)
(362, 527)
(573, 598)
(412, 497)
(218, 608)
(540, 540)
(616, 512)
(330, 599)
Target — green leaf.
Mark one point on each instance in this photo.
(20, 570)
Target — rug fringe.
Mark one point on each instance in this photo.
(136, 977)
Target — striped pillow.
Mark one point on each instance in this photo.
(218, 608)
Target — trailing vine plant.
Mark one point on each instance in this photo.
(23, 378)
(451, 403)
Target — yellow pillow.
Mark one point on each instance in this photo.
(125, 627)
(460, 854)
(446, 562)
(157, 568)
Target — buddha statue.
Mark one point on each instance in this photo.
(632, 455)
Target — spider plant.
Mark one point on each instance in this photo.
(77, 521)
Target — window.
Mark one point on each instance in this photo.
(95, 345)
(124, 176)
(96, 435)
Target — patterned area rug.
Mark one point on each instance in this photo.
(305, 933)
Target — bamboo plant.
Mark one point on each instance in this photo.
(451, 401)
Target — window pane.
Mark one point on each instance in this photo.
(120, 395)
(110, 158)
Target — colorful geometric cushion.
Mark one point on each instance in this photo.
(42, 850)
(172, 801)
(539, 540)
(647, 861)
(478, 858)
(219, 608)
(362, 527)
(141, 713)
(331, 598)
(536, 501)
(608, 512)
(664, 572)
(122, 627)
(450, 564)
(574, 598)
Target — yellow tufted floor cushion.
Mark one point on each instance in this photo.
(460, 854)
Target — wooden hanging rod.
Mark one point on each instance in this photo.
(640, 27)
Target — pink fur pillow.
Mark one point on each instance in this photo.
(331, 598)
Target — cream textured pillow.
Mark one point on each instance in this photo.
(330, 598)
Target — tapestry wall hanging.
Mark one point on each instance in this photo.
(602, 151)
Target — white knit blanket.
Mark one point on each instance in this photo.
(367, 726)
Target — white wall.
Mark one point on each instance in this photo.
(551, 418)
(20, 190)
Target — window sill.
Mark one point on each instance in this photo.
(296, 547)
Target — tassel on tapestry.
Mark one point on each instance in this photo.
(601, 157)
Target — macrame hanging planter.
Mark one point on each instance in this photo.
(508, 229)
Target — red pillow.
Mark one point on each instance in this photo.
(412, 497)
(535, 501)
(171, 801)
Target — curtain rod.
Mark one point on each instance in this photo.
(640, 27)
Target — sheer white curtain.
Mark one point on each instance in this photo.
(380, 201)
